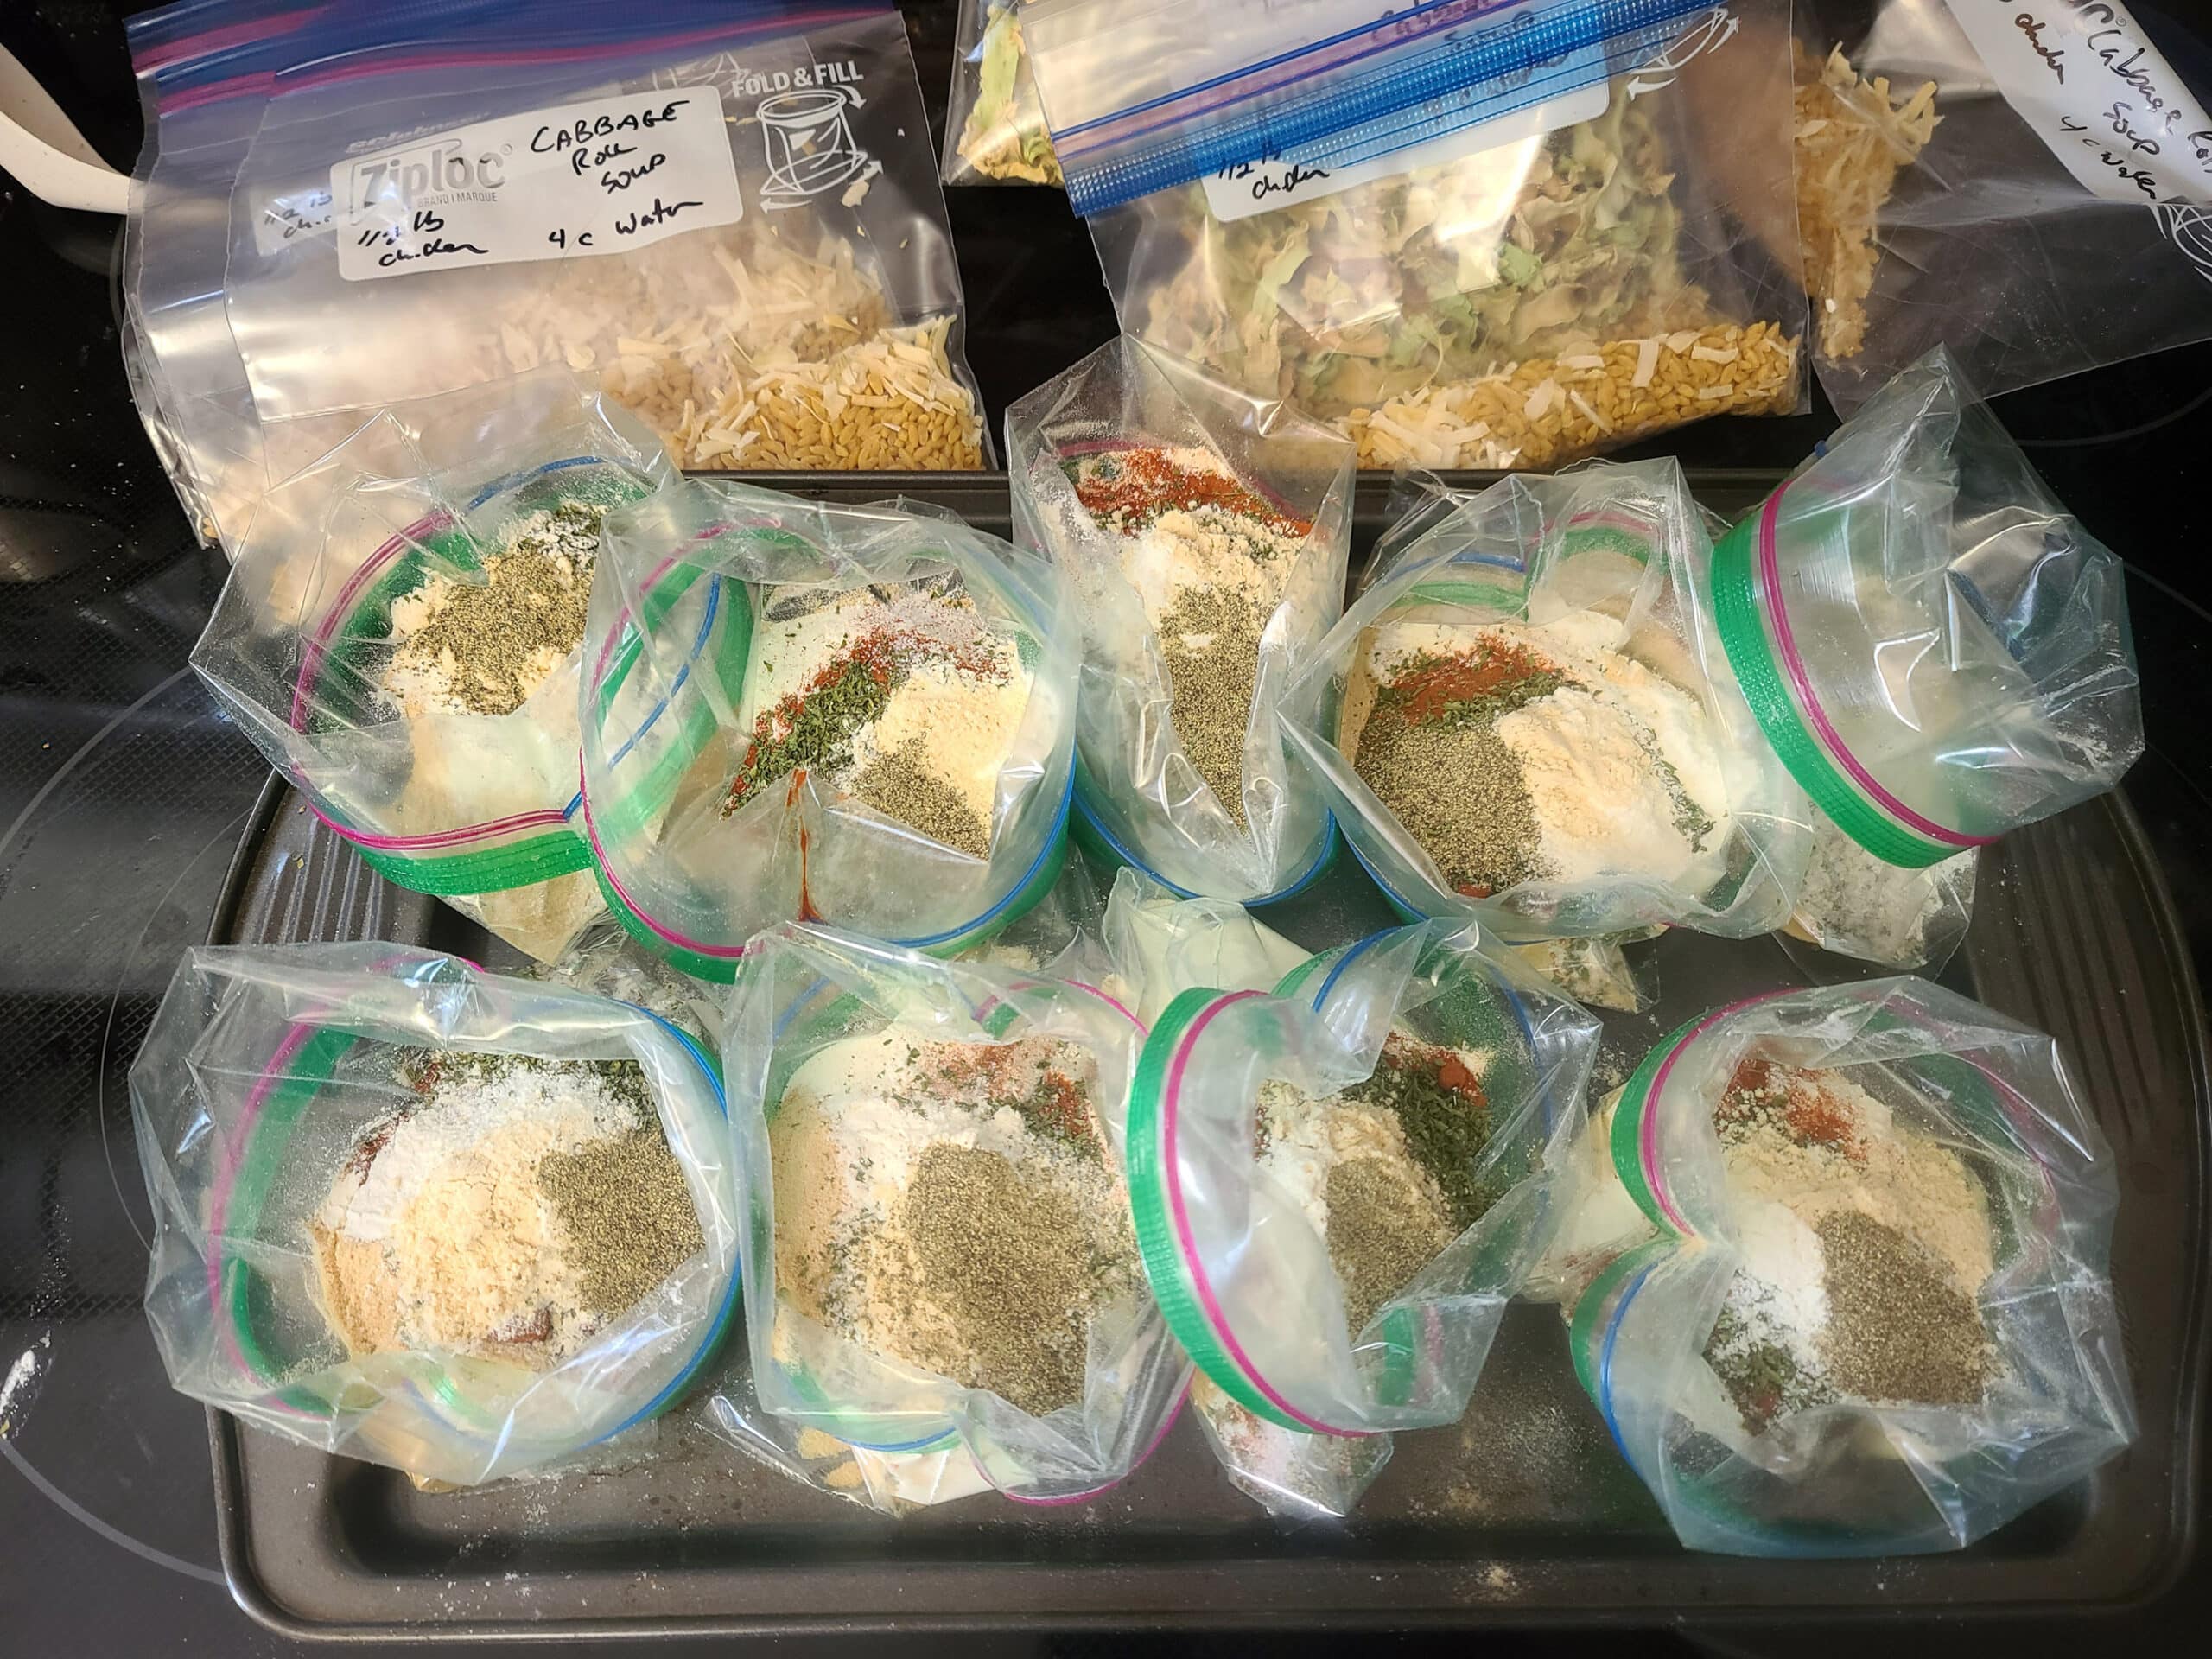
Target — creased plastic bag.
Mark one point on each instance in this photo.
(262, 1071)
(452, 779)
(819, 1024)
(1269, 1136)
(1649, 796)
(1857, 906)
(1733, 1355)
(726, 217)
(994, 128)
(1465, 241)
(2034, 197)
(1175, 793)
(723, 794)
(1933, 645)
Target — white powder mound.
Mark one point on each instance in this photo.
(1592, 752)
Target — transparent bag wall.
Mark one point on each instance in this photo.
(262, 1071)
(1851, 1476)
(805, 992)
(342, 564)
(1138, 787)
(692, 583)
(1605, 565)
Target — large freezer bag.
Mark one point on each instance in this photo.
(424, 1215)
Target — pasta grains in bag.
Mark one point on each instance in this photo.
(863, 715)
(1527, 720)
(1397, 225)
(410, 1212)
(1876, 1318)
(1338, 1186)
(2029, 189)
(1207, 533)
(401, 639)
(725, 217)
(940, 1252)
(1934, 646)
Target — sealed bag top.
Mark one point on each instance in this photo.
(1937, 650)
(728, 215)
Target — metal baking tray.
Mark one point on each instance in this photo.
(1523, 1513)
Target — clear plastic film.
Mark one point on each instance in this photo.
(1855, 905)
(1141, 793)
(2034, 197)
(1603, 567)
(995, 130)
(447, 783)
(1838, 1473)
(806, 1001)
(263, 1071)
(700, 842)
(1486, 237)
(1251, 1266)
(1937, 650)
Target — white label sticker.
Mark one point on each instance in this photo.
(283, 220)
(604, 177)
(2084, 75)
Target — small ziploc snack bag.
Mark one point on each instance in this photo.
(2028, 187)
(401, 636)
(726, 217)
(939, 1247)
(1527, 721)
(1936, 649)
(1338, 1186)
(1206, 534)
(408, 1211)
(1467, 236)
(995, 130)
(1877, 1318)
(861, 715)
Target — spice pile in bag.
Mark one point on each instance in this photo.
(1207, 532)
(1560, 278)
(401, 636)
(727, 220)
(1876, 1317)
(458, 1223)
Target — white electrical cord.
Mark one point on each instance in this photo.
(46, 152)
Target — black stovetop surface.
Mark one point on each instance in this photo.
(122, 793)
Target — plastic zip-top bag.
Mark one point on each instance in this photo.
(204, 71)
(938, 1250)
(1877, 1319)
(1468, 235)
(726, 216)
(2028, 187)
(995, 130)
(1207, 533)
(1527, 721)
(860, 715)
(401, 637)
(1934, 646)
(429, 1217)
(1338, 1186)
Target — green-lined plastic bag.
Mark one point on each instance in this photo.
(271, 1072)
(1876, 1318)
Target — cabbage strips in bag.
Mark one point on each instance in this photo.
(1467, 241)
(994, 128)
(1937, 650)
(1877, 1318)
(862, 716)
(939, 1252)
(1207, 533)
(401, 637)
(1527, 721)
(278, 1085)
(1336, 1187)
(2036, 200)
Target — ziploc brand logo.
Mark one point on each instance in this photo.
(434, 174)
